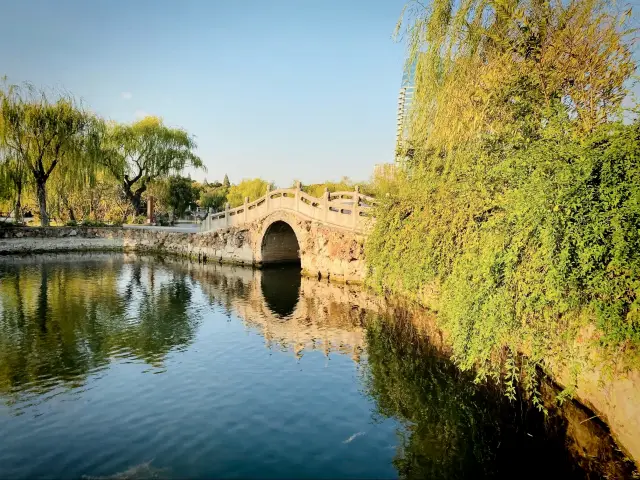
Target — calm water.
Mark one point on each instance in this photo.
(118, 366)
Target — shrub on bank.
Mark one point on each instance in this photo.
(517, 214)
(520, 248)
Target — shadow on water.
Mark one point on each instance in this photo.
(62, 318)
(455, 428)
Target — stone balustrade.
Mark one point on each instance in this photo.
(342, 210)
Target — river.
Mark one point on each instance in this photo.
(123, 366)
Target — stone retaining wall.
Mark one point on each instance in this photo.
(324, 252)
(227, 246)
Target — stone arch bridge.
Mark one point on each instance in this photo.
(325, 235)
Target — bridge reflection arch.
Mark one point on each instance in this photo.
(281, 289)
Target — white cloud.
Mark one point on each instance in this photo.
(140, 114)
(127, 95)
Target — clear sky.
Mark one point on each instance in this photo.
(280, 89)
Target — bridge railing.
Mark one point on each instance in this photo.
(347, 210)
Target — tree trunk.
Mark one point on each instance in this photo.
(136, 201)
(17, 213)
(69, 208)
(134, 198)
(42, 202)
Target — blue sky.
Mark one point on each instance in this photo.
(279, 89)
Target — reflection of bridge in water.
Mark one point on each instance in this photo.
(291, 312)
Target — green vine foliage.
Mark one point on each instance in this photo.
(517, 216)
(523, 247)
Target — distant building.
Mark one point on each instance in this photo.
(405, 99)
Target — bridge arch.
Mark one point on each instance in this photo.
(279, 242)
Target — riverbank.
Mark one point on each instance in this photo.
(586, 372)
(322, 252)
(222, 247)
(605, 386)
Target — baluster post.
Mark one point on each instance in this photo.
(297, 196)
(226, 213)
(246, 203)
(267, 200)
(355, 211)
(325, 203)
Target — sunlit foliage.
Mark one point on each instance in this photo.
(39, 134)
(252, 188)
(518, 216)
(70, 165)
(137, 154)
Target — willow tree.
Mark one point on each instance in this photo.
(139, 153)
(487, 67)
(518, 218)
(40, 135)
(14, 179)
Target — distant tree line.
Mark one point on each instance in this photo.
(63, 161)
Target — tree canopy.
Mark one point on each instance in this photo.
(502, 67)
(138, 153)
(180, 194)
(76, 164)
(253, 188)
(214, 197)
(517, 218)
(39, 135)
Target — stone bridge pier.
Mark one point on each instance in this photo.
(321, 251)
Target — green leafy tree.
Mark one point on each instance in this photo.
(253, 188)
(180, 195)
(226, 183)
(14, 178)
(146, 150)
(214, 198)
(494, 67)
(345, 184)
(517, 218)
(41, 135)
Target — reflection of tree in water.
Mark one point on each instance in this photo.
(454, 428)
(60, 321)
(163, 319)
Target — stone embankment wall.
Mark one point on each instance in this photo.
(226, 246)
(324, 252)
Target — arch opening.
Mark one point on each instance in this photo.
(280, 245)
